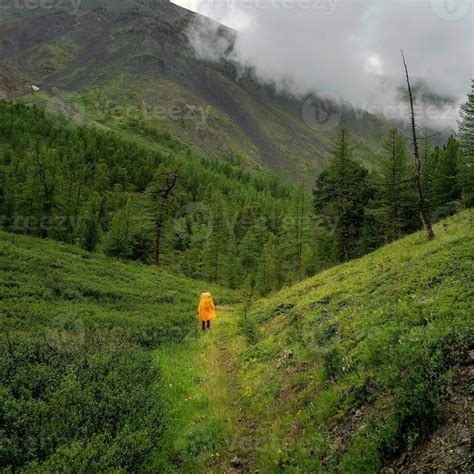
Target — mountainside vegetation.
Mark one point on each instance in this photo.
(93, 188)
(79, 388)
(341, 372)
(358, 211)
(129, 66)
(350, 368)
(211, 219)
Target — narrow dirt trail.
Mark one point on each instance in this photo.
(226, 345)
(209, 429)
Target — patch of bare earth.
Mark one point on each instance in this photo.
(450, 448)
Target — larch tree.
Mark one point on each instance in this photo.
(163, 199)
(446, 186)
(430, 159)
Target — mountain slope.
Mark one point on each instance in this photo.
(349, 368)
(338, 373)
(123, 61)
(79, 386)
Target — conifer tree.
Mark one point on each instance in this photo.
(445, 185)
(422, 209)
(249, 252)
(341, 195)
(215, 250)
(119, 239)
(92, 224)
(267, 276)
(163, 200)
(466, 135)
(395, 191)
(430, 162)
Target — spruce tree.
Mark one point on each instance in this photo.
(396, 194)
(341, 195)
(466, 135)
(446, 187)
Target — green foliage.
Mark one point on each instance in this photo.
(466, 136)
(85, 186)
(395, 188)
(374, 344)
(60, 392)
(358, 211)
(340, 197)
(445, 184)
(79, 387)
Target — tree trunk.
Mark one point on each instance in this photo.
(158, 245)
(425, 220)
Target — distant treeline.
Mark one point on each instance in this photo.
(212, 219)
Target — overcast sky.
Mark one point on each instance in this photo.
(350, 47)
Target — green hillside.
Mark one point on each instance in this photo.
(122, 63)
(79, 387)
(103, 192)
(101, 369)
(349, 368)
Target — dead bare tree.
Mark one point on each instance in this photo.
(425, 220)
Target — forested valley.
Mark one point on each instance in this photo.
(220, 252)
(214, 219)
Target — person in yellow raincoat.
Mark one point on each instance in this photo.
(206, 310)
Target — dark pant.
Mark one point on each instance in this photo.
(206, 323)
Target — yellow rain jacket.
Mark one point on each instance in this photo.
(206, 308)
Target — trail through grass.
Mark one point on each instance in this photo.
(208, 430)
(340, 373)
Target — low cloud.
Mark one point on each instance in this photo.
(350, 48)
